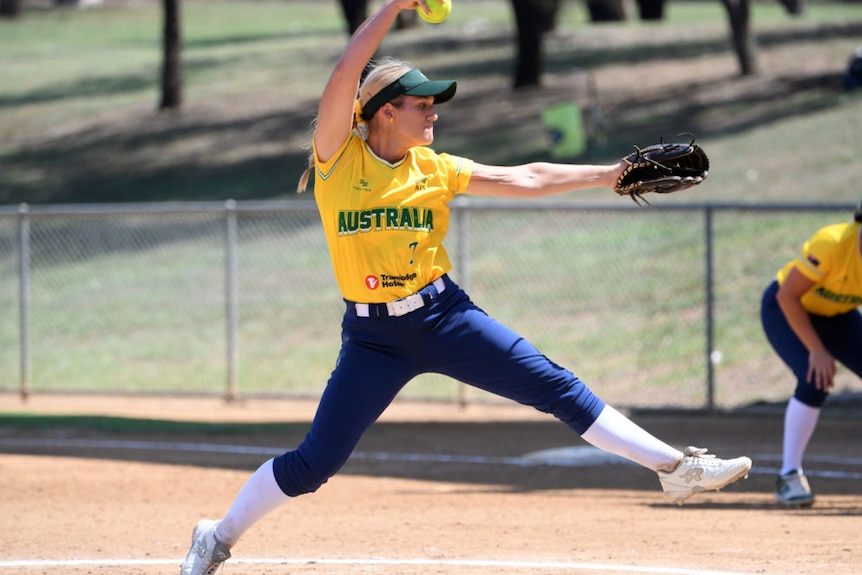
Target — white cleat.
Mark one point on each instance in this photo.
(207, 553)
(792, 490)
(701, 472)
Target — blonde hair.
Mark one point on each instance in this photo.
(380, 74)
(384, 72)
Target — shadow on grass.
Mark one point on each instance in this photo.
(490, 453)
(162, 158)
(473, 452)
(101, 423)
(482, 453)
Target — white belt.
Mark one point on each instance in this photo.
(402, 306)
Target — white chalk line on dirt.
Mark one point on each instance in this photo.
(557, 565)
(575, 456)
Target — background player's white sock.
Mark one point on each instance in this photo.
(260, 495)
(614, 432)
(799, 423)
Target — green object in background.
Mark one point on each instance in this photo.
(565, 129)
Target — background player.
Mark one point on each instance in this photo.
(810, 315)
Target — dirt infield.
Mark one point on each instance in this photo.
(432, 490)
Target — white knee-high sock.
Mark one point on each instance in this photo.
(615, 433)
(800, 420)
(260, 495)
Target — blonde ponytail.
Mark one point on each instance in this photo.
(303, 179)
(360, 126)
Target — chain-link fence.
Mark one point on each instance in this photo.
(651, 307)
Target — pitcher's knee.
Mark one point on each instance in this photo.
(578, 407)
(296, 476)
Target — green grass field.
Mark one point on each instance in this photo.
(78, 92)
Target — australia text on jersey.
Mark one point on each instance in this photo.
(837, 297)
(385, 218)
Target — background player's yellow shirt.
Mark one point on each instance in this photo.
(831, 259)
(385, 223)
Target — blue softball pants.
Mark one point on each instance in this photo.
(449, 335)
(841, 334)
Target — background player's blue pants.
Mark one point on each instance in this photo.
(450, 335)
(841, 334)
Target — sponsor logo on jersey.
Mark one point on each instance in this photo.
(388, 281)
(373, 282)
(362, 185)
(385, 219)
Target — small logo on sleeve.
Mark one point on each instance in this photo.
(813, 260)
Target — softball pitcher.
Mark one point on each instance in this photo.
(383, 197)
(810, 315)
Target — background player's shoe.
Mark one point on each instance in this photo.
(700, 472)
(207, 552)
(792, 490)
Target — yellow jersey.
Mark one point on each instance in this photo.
(385, 223)
(831, 259)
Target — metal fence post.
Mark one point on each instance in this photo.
(231, 299)
(710, 312)
(24, 296)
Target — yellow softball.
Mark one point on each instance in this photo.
(438, 10)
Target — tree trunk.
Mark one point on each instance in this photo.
(743, 41)
(10, 8)
(407, 19)
(548, 12)
(606, 10)
(651, 9)
(793, 7)
(355, 13)
(528, 18)
(172, 65)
